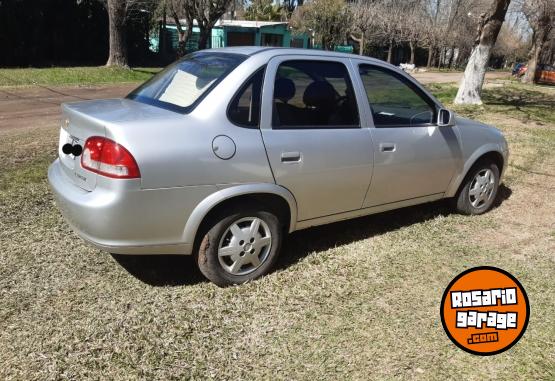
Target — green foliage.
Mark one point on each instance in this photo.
(264, 10)
(73, 76)
(328, 19)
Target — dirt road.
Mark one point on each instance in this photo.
(434, 77)
(40, 106)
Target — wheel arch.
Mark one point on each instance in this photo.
(277, 198)
(489, 151)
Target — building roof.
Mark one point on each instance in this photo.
(238, 23)
(276, 51)
(249, 24)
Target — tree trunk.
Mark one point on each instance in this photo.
(162, 50)
(118, 45)
(539, 38)
(204, 35)
(412, 51)
(430, 56)
(471, 85)
(390, 52)
(327, 43)
(532, 64)
(360, 42)
(183, 35)
(202, 40)
(440, 57)
(451, 57)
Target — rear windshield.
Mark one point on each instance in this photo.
(180, 86)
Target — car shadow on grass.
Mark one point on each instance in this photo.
(162, 270)
(181, 270)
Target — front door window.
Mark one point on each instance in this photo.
(395, 101)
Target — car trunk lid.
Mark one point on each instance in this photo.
(76, 127)
(81, 120)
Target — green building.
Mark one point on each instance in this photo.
(237, 33)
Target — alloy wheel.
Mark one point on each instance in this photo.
(481, 188)
(244, 246)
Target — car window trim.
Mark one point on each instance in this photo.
(318, 127)
(413, 86)
(241, 88)
(315, 127)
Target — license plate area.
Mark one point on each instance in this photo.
(72, 164)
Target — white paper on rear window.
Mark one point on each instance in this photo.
(183, 90)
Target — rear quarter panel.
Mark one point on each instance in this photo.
(177, 151)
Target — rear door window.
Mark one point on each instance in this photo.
(313, 94)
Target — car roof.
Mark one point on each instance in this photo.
(270, 52)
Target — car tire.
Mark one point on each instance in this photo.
(478, 190)
(240, 245)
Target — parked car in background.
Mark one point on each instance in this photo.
(516, 68)
(519, 70)
(545, 74)
(227, 150)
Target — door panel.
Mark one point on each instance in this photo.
(421, 163)
(311, 129)
(332, 174)
(413, 157)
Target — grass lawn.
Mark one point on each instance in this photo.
(57, 76)
(353, 300)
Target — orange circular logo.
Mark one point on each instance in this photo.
(485, 310)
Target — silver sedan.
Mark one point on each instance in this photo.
(225, 151)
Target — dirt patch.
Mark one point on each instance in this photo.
(40, 106)
(435, 77)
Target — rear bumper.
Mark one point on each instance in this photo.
(120, 217)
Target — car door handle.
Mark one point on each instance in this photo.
(388, 147)
(290, 157)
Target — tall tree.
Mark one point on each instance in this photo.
(205, 12)
(490, 24)
(363, 12)
(329, 20)
(185, 9)
(117, 13)
(541, 17)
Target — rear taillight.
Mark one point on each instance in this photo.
(108, 158)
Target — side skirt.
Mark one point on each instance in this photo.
(366, 211)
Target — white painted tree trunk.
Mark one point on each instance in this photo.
(490, 23)
(471, 85)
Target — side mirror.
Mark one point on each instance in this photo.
(445, 118)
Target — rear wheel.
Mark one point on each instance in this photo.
(478, 192)
(240, 245)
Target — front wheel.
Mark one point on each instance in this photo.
(240, 246)
(478, 192)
